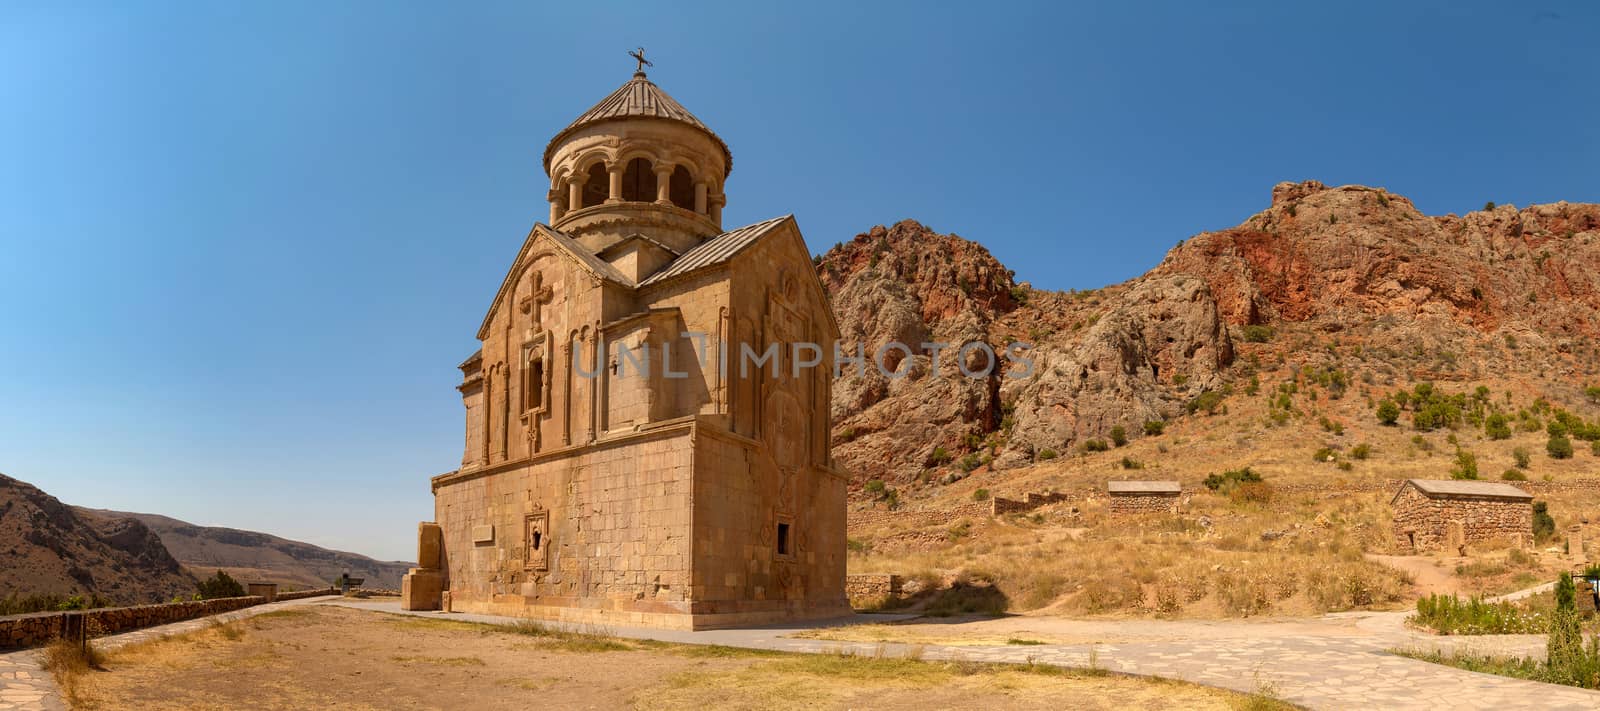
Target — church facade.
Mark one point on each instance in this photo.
(624, 461)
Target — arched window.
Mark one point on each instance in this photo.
(681, 188)
(597, 187)
(639, 181)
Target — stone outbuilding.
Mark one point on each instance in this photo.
(1431, 514)
(1129, 497)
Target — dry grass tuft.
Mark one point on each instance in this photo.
(68, 662)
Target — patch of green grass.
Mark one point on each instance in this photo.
(1025, 642)
(1448, 614)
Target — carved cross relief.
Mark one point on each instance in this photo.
(538, 295)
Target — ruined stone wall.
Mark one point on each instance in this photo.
(1141, 503)
(1430, 523)
(34, 629)
(870, 590)
(999, 506)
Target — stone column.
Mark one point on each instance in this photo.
(615, 171)
(664, 184)
(700, 197)
(557, 205)
(574, 193)
(717, 202)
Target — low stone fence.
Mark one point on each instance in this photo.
(870, 590)
(999, 506)
(37, 628)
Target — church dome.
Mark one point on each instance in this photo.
(637, 163)
(639, 98)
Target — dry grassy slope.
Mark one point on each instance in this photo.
(48, 547)
(1350, 280)
(253, 556)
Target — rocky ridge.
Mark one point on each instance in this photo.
(1494, 291)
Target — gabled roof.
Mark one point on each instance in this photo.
(716, 250)
(1144, 487)
(574, 251)
(635, 237)
(1461, 487)
(638, 98)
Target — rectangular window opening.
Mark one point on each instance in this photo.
(783, 539)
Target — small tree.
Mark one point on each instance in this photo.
(1154, 427)
(1119, 436)
(1520, 456)
(1565, 659)
(1543, 525)
(1388, 412)
(1466, 465)
(220, 585)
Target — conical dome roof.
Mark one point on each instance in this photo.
(638, 98)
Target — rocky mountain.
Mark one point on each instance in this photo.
(249, 555)
(1323, 276)
(49, 547)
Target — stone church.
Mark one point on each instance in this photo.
(620, 465)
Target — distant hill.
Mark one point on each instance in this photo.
(49, 547)
(249, 555)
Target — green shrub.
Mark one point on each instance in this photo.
(1559, 447)
(1227, 480)
(1206, 402)
(1119, 436)
(939, 457)
(1513, 475)
(1047, 454)
(15, 604)
(1324, 455)
(1361, 451)
(1154, 427)
(980, 495)
(1095, 445)
(1388, 412)
(1256, 333)
(1497, 426)
(1129, 463)
(1520, 456)
(970, 462)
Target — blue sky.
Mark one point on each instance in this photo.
(243, 246)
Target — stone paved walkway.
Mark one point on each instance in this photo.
(1331, 662)
(26, 686)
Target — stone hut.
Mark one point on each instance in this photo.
(1433, 514)
(1131, 497)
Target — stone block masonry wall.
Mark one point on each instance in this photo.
(1142, 503)
(32, 630)
(868, 590)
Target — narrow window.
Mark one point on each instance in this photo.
(533, 384)
(783, 539)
